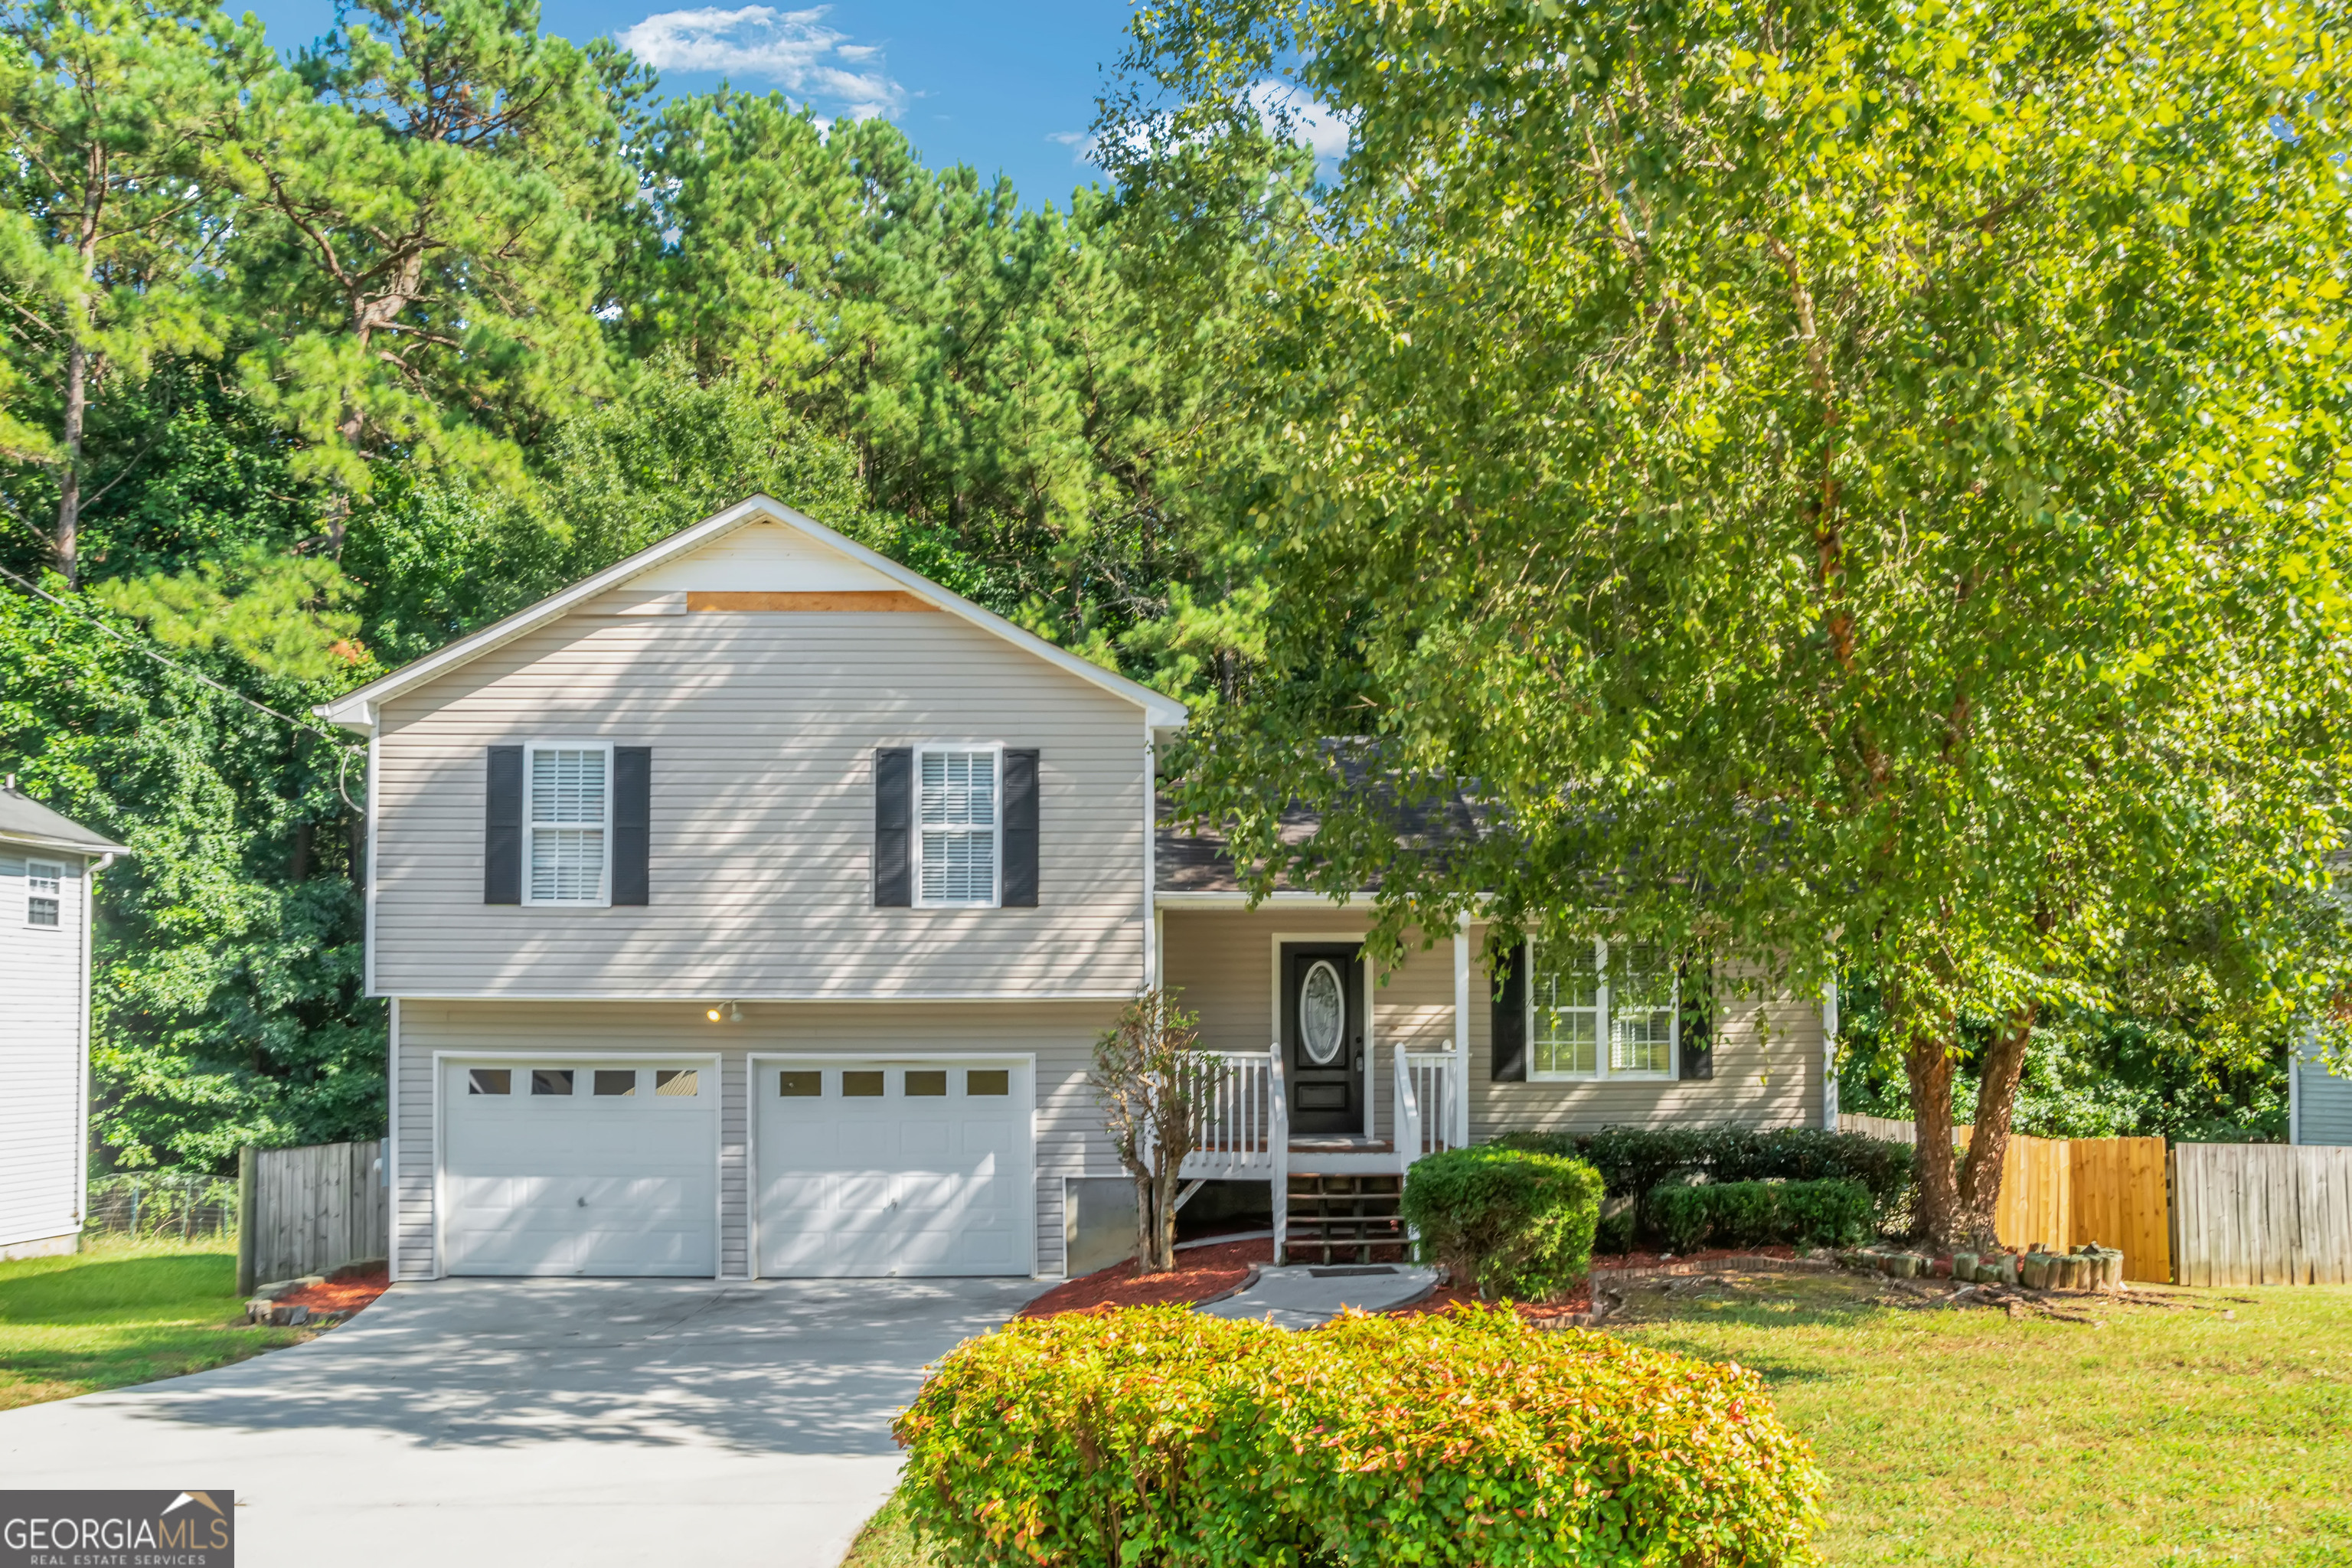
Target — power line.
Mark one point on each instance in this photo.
(137, 646)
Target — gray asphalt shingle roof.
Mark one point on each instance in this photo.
(26, 821)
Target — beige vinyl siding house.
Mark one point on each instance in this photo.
(47, 862)
(752, 909)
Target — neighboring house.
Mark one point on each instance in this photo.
(2319, 1102)
(45, 866)
(752, 908)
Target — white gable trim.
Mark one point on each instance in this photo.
(356, 709)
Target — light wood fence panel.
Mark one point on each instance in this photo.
(2261, 1214)
(2036, 1202)
(313, 1209)
(2121, 1200)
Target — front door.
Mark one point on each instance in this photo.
(1323, 1035)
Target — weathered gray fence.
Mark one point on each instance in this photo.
(2261, 1214)
(306, 1211)
(1887, 1128)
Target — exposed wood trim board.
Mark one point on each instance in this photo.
(892, 600)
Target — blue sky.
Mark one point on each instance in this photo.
(1009, 87)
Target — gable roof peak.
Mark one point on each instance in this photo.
(356, 709)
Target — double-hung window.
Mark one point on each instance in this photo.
(567, 823)
(1601, 1010)
(958, 821)
(43, 884)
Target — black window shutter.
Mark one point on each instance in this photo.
(894, 817)
(1695, 1032)
(502, 828)
(1510, 1018)
(632, 804)
(1019, 830)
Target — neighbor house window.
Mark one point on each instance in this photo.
(956, 811)
(567, 823)
(42, 881)
(1597, 1010)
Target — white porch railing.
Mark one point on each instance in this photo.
(1432, 1083)
(1244, 1125)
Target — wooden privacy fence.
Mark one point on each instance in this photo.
(2262, 1214)
(2065, 1192)
(310, 1210)
(1890, 1129)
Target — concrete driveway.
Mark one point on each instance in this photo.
(519, 1422)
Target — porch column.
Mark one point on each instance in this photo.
(1461, 1096)
(1830, 1054)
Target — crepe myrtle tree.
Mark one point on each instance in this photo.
(1148, 1078)
(1855, 485)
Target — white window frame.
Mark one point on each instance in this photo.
(603, 898)
(1605, 1023)
(994, 750)
(53, 872)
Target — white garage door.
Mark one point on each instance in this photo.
(875, 1168)
(590, 1167)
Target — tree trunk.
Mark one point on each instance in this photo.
(68, 532)
(2004, 1066)
(1143, 1226)
(1163, 1215)
(1927, 1063)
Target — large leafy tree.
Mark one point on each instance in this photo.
(427, 244)
(226, 971)
(113, 113)
(1000, 369)
(1857, 485)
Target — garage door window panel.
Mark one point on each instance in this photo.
(550, 1080)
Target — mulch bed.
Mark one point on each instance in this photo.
(1201, 1272)
(346, 1291)
(1579, 1300)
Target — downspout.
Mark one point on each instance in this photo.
(1151, 858)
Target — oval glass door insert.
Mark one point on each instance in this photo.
(1322, 1014)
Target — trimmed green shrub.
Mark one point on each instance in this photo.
(1761, 1213)
(1825, 1214)
(1160, 1437)
(1511, 1222)
(1634, 1161)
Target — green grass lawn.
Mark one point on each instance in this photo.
(2160, 1434)
(119, 1313)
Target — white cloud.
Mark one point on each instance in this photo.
(793, 49)
(1312, 124)
(1323, 131)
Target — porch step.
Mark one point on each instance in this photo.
(1328, 1218)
